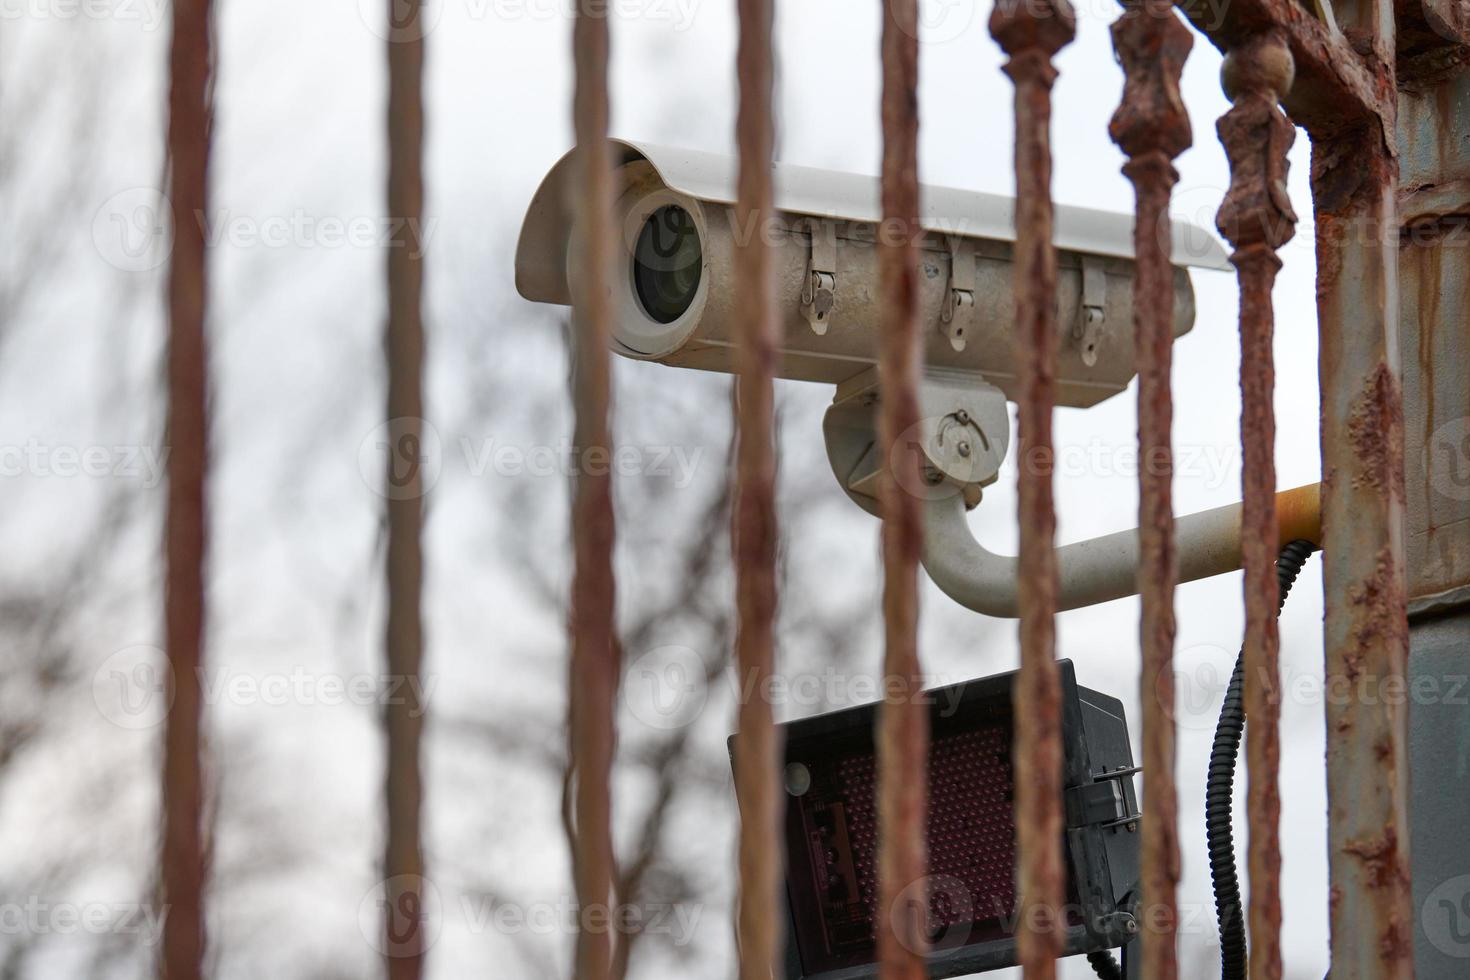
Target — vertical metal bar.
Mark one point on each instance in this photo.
(593, 680)
(1257, 219)
(183, 862)
(754, 533)
(403, 862)
(1031, 32)
(1152, 128)
(903, 726)
(1354, 189)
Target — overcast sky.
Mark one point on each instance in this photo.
(300, 105)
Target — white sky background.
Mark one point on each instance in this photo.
(297, 375)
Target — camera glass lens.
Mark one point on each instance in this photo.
(666, 263)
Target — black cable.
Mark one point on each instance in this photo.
(1104, 965)
(1221, 786)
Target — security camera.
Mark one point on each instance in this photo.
(675, 299)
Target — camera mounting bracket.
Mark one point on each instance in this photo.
(962, 437)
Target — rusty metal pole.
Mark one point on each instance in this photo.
(182, 858)
(1354, 190)
(594, 662)
(1152, 128)
(757, 753)
(1031, 32)
(1257, 219)
(403, 860)
(903, 725)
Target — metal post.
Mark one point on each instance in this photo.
(182, 857)
(594, 662)
(1152, 127)
(1434, 302)
(757, 755)
(1030, 33)
(1257, 219)
(403, 860)
(1354, 189)
(903, 736)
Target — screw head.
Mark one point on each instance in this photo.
(798, 779)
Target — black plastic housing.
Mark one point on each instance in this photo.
(830, 832)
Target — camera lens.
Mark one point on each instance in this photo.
(666, 263)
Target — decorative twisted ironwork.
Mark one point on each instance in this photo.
(758, 750)
(1152, 128)
(903, 738)
(1031, 32)
(1257, 219)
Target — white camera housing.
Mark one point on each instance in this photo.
(823, 238)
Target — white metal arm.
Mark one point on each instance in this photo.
(1099, 569)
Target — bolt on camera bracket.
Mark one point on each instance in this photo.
(962, 437)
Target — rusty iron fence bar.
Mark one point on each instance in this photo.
(754, 530)
(1152, 127)
(1031, 32)
(1257, 219)
(1354, 190)
(403, 861)
(903, 725)
(1345, 96)
(1335, 86)
(594, 662)
(183, 856)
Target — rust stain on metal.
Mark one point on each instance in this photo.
(1031, 33)
(183, 855)
(1375, 429)
(1152, 127)
(1354, 184)
(403, 857)
(903, 735)
(1337, 88)
(1376, 605)
(1256, 217)
(594, 661)
(754, 532)
(1385, 868)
